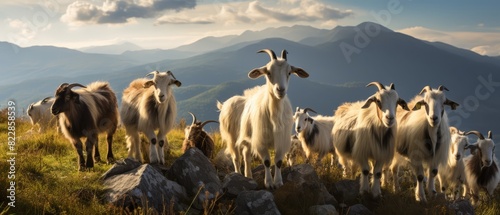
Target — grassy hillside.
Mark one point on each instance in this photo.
(48, 182)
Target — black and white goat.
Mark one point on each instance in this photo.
(481, 167)
(86, 112)
(149, 105)
(451, 175)
(314, 133)
(196, 137)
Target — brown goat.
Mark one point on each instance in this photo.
(195, 136)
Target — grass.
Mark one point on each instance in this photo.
(47, 180)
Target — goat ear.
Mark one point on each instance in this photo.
(452, 104)
(257, 72)
(176, 82)
(490, 135)
(453, 130)
(403, 104)
(148, 84)
(368, 102)
(418, 105)
(299, 72)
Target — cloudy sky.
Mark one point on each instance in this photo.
(171, 23)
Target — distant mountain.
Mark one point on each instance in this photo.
(294, 33)
(117, 48)
(154, 55)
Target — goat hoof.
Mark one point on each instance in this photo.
(111, 160)
(97, 159)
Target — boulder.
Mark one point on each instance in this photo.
(346, 191)
(462, 206)
(120, 167)
(235, 183)
(256, 203)
(223, 163)
(144, 187)
(194, 171)
(323, 210)
(358, 209)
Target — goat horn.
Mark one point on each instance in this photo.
(425, 89)
(75, 85)
(309, 109)
(45, 99)
(283, 54)
(490, 135)
(194, 118)
(172, 74)
(441, 88)
(269, 52)
(477, 133)
(392, 86)
(152, 73)
(375, 83)
(208, 121)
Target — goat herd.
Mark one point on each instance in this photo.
(374, 137)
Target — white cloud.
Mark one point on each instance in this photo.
(23, 31)
(485, 43)
(288, 11)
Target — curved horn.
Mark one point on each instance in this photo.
(477, 133)
(392, 86)
(172, 74)
(425, 89)
(375, 83)
(270, 52)
(309, 109)
(62, 85)
(490, 135)
(194, 118)
(152, 73)
(441, 88)
(208, 121)
(75, 85)
(45, 99)
(283, 54)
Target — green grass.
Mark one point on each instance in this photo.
(47, 180)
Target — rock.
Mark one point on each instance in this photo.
(144, 187)
(358, 209)
(235, 183)
(463, 207)
(302, 189)
(256, 203)
(120, 167)
(323, 210)
(223, 163)
(194, 171)
(346, 190)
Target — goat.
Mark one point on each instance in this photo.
(481, 168)
(314, 133)
(295, 150)
(267, 117)
(86, 113)
(39, 113)
(195, 136)
(365, 133)
(230, 118)
(149, 105)
(423, 138)
(452, 173)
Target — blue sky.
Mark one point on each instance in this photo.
(168, 24)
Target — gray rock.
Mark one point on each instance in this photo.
(256, 203)
(235, 183)
(347, 190)
(144, 187)
(223, 162)
(121, 166)
(462, 207)
(358, 209)
(197, 175)
(323, 210)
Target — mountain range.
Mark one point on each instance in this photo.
(340, 61)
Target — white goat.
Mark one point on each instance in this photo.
(482, 167)
(452, 173)
(365, 133)
(267, 118)
(423, 138)
(229, 119)
(149, 105)
(314, 133)
(39, 113)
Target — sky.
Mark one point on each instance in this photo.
(168, 24)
